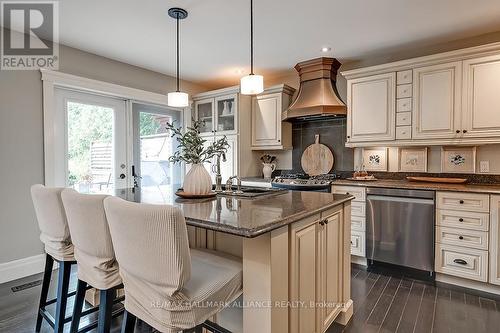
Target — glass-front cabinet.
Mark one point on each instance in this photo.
(219, 114)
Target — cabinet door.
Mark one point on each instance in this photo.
(230, 166)
(481, 98)
(204, 110)
(266, 120)
(371, 105)
(436, 101)
(226, 113)
(330, 238)
(495, 240)
(304, 275)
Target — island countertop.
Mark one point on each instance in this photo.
(241, 216)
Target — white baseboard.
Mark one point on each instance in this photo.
(359, 260)
(20, 268)
(471, 284)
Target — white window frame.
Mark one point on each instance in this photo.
(53, 79)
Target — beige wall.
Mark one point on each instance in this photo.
(21, 138)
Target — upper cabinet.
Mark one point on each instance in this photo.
(371, 108)
(436, 101)
(219, 114)
(268, 131)
(481, 97)
(442, 99)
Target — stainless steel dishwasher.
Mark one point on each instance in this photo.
(400, 227)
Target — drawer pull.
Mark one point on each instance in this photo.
(460, 261)
(351, 242)
(460, 237)
(460, 220)
(461, 202)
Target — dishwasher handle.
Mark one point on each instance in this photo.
(400, 199)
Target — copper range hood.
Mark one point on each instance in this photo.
(318, 96)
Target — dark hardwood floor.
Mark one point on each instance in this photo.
(382, 303)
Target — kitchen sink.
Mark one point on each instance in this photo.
(251, 192)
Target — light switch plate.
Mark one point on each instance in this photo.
(484, 166)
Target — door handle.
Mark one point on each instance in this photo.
(460, 261)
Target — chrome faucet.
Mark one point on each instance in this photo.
(229, 184)
(218, 177)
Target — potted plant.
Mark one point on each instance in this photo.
(192, 150)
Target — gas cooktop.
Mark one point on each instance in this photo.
(304, 182)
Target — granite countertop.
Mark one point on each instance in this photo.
(256, 179)
(240, 216)
(389, 183)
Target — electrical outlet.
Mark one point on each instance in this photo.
(484, 166)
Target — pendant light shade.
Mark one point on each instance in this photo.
(177, 98)
(251, 84)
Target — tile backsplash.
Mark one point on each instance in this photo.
(332, 133)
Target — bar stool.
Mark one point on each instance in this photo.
(94, 254)
(167, 285)
(58, 247)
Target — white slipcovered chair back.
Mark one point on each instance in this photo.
(52, 222)
(89, 229)
(151, 245)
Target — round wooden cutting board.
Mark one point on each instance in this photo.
(317, 159)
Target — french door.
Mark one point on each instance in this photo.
(152, 146)
(91, 142)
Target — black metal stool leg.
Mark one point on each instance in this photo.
(81, 288)
(62, 295)
(128, 324)
(106, 298)
(47, 273)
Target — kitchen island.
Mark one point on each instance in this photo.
(294, 246)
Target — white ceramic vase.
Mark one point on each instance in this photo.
(197, 180)
(268, 169)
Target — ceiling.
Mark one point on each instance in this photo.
(215, 36)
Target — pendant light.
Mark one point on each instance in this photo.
(178, 98)
(251, 84)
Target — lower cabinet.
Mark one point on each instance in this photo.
(495, 240)
(314, 280)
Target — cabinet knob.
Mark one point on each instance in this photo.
(461, 202)
(458, 131)
(460, 220)
(348, 136)
(326, 221)
(460, 261)
(465, 131)
(460, 237)
(321, 222)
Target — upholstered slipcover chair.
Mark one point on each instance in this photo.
(52, 222)
(167, 285)
(91, 239)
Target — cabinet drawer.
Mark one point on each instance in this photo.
(403, 105)
(358, 192)
(403, 91)
(358, 223)
(472, 202)
(462, 237)
(358, 243)
(358, 209)
(462, 219)
(404, 77)
(462, 262)
(403, 132)
(403, 119)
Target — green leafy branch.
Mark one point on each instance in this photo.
(191, 146)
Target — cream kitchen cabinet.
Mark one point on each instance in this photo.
(494, 277)
(437, 101)
(268, 131)
(481, 99)
(314, 246)
(371, 108)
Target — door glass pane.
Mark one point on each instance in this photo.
(90, 147)
(204, 111)
(225, 114)
(158, 177)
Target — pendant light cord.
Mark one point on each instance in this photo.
(177, 52)
(251, 37)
